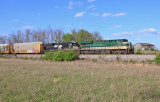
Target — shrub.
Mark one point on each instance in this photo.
(49, 55)
(58, 56)
(156, 50)
(157, 59)
(61, 55)
(152, 49)
(146, 49)
(138, 51)
(70, 55)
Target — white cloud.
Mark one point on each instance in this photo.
(118, 26)
(91, 0)
(71, 4)
(80, 14)
(119, 14)
(28, 27)
(14, 20)
(149, 31)
(94, 14)
(4, 34)
(106, 14)
(92, 6)
(68, 25)
(122, 34)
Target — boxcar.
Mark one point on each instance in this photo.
(24, 48)
(117, 46)
(4, 48)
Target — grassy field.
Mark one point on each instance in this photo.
(78, 81)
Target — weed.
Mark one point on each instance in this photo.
(132, 61)
(94, 60)
(125, 61)
(25, 58)
(117, 58)
(149, 61)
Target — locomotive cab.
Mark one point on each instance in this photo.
(129, 46)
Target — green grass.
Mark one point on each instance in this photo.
(147, 52)
(82, 81)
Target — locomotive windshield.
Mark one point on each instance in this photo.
(125, 40)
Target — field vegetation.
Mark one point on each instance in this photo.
(83, 80)
(152, 52)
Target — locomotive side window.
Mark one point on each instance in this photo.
(119, 41)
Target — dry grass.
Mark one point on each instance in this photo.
(27, 80)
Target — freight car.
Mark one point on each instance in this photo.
(31, 48)
(22, 48)
(117, 46)
(4, 48)
(52, 47)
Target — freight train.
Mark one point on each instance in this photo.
(117, 46)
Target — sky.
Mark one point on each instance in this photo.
(135, 20)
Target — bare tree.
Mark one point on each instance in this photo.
(58, 35)
(3, 40)
(97, 36)
(51, 36)
(9, 39)
(20, 37)
(27, 35)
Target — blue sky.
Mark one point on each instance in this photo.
(136, 20)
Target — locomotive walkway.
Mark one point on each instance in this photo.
(103, 57)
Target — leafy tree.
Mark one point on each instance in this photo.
(74, 35)
(67, 37)
(84, 35)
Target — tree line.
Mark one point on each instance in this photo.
(49, 36)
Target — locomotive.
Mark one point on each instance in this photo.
(117, 46)
(52, 47)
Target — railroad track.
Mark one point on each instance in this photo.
(91, 56)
